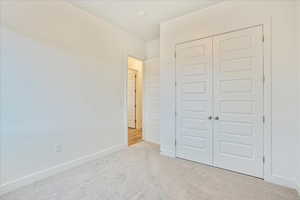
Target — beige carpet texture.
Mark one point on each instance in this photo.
(141, 173)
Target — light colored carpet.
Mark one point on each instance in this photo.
(140, 173)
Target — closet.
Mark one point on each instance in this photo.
(219, 101)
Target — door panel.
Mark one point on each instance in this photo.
(194, 101)
(131, 99)
(238, 97)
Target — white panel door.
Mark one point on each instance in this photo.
(238, 97)
(131, 99)
(194, 101)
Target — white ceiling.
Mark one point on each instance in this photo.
(141, 17)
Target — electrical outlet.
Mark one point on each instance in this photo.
(58, 148)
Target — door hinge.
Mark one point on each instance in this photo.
(264, 79)
(263, 38)
(175, 84)
(264, 159)
(264, 119)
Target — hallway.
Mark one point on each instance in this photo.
(134, 136)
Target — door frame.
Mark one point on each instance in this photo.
(267, 93)
(124, 95)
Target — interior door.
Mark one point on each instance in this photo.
(238, 96)
(194, 101)
(131, 102)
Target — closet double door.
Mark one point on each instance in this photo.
(219, 101)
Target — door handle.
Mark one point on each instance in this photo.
(210, 117)
(217, 118)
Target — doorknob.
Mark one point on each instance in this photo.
(217, 118)
(210, 117)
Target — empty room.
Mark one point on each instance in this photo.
(149, 100)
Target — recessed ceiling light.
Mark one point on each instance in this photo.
(141, 13)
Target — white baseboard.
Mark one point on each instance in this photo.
(167, 153)
(298, 189)
(278, 180)
(151, 141)
(29, 179)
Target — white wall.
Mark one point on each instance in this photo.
(62, 83)
(152, 49)
(230, 16)
(151, 92)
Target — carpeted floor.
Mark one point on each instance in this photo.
(140, 173)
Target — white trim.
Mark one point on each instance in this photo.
(166, 152)
(29, 179)
(1, 136)
(143, 97)
(297, 186)
(267, 61)
(279, 180)
(125, 111)
(151, 141)
(143, 100)
(1, 156)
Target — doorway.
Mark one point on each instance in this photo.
(135, 101)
